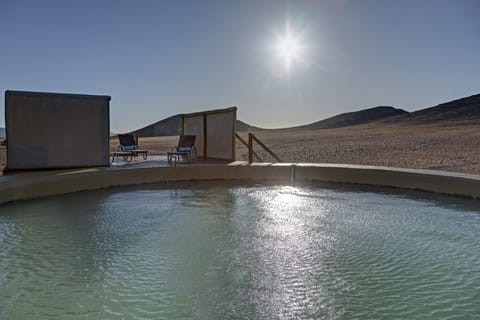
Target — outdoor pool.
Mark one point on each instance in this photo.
(229, 251)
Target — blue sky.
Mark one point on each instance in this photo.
(160, 58)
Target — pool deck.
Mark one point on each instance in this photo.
(156, 169)
(161, 161)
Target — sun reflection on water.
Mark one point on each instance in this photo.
(288, 252)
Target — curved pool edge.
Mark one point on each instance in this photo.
(40, 184)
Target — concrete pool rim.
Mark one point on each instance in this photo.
(32, 185)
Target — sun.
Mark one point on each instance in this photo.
(288, 49)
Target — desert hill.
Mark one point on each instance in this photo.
(167, 127)
(171, 126)
(244, 127)
(467, 108)
(462, 109)
(352, 118)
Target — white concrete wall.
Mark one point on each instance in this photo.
(39, 184)
(214, 131)
(194, 126)
(46, 130)
(221, 135)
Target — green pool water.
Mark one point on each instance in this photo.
(209, 251)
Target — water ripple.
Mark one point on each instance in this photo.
(239, 252)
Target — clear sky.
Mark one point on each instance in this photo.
(282, 63)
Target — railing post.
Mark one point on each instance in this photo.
(245, 143)
(267, 149)
(250, 147)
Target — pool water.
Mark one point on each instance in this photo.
(210, 251)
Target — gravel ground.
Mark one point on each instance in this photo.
(447, 146)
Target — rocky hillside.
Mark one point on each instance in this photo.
(467, 108)
(354, 118)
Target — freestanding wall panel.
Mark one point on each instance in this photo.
(54, 130)
(193, 125)
(215, 132)
(221, 135)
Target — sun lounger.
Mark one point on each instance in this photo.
(184, 150)
(128, 145)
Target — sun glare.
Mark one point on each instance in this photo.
(288, 49)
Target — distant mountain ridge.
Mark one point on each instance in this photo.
(243, 126)
(171, 126)
(167, 127)
(353, 118)
(467, 108)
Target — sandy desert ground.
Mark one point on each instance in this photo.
(448, 147)
(451, 146)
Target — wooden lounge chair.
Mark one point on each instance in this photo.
(185, 149)
(128, 145)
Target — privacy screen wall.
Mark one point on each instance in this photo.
(215, 132)
(54, 130)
